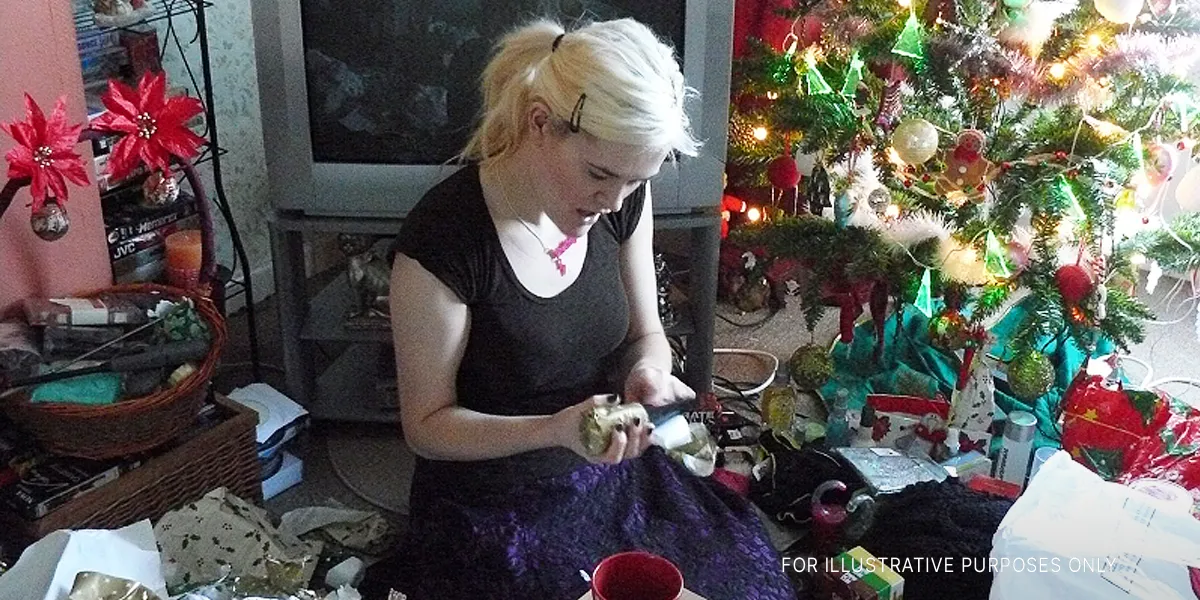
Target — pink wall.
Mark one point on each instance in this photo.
(37, 55)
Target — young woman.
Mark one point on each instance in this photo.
(523, 294)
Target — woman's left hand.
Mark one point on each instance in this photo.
(653, 386)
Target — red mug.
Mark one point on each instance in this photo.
(636, 576)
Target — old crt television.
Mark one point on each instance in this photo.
(365, 101)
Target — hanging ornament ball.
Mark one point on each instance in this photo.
(915, 141)
(1188, 192)
(948, 331)
(1018, 255)
(1119, 11)
(878, 200)
(50, 222)
(811, 367)
(1030, 375)
(783, 173)
(159, 190)
(1161, 165)
(1161, 8)
(1074, 283)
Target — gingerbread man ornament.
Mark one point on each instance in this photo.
(966, 168)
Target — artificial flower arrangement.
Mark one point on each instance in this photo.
(154, 128)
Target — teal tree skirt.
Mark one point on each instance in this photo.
(909, 365)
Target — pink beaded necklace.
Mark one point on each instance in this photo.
(557, 252)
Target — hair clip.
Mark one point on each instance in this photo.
(577, 114)
(557, 41)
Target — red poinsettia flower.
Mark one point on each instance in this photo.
(156, 126)
(45, 152)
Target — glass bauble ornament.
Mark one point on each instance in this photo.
(159, 190)
(50, 222)
(811, 367)
(915, 141)
(1161, 164)
(1188, 191)
(1120, 11)
(948, 331)
(1030, 375)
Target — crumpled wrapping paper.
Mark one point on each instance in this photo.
(90, 585)
(222, 535)
(357, 530)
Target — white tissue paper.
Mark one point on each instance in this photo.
(47, 569)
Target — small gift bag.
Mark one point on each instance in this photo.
(1104, 422)
(910, 423)
(974, 405)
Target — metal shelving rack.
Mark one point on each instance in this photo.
(352, 387)
(160, 10)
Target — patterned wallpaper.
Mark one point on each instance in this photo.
(239, 124)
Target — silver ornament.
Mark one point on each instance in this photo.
(50, 222)
(159, 190)
(878, 200)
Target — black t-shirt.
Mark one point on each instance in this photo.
(525, 355)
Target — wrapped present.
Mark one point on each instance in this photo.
(1173, 454)
(1104, 422)
(910, 423)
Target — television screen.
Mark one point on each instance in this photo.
(396, 81)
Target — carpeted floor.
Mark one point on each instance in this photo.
(365, 466)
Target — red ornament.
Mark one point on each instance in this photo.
(1006, 165)
(783, 173)
(926, 178)
(156, 126)
(45, 152)
(1073, 173)
(1060, 155)
(1181, 145)
(908, 183)
(1074, 283)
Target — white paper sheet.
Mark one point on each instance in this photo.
(47, 569)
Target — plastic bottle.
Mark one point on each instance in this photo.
(837, 428)
(779, 404)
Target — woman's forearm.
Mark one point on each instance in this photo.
(649, 350)
(456, 433)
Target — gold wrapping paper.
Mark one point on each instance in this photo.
(90, 585)
(598, 423)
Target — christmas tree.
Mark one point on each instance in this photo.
(972, 154)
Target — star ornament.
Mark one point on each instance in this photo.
(45, 152)
(154, 125)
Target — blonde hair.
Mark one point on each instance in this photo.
(613, 79)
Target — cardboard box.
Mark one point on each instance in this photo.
(857, 575)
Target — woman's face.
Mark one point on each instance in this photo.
(586, 177)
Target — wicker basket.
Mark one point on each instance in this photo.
(129, 426)
(224, 456)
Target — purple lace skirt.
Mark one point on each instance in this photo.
(532, 541)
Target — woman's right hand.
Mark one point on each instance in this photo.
(628, 440)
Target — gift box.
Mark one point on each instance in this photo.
(909, 422)
(857, 575)
(1104, 423)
